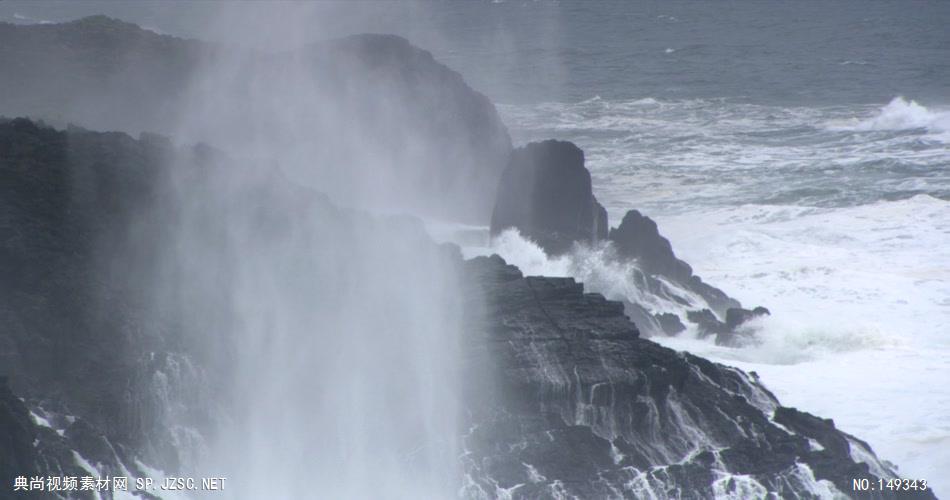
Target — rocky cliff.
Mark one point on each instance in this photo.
(84, 342)
(581, 407)
(546, 194)
(366, 106)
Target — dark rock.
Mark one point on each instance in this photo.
(396, 93)
(377, 93)
(727, 333)
(545, 193)
(577, 404)
(18, 457)
(707, 322)
(637, 237)
(31, 450)
(647, 324)
(670, 323)
(86, 221)
(92, 444)
(736, 316)
(832, 442)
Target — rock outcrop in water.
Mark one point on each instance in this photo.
(638, 237)
(546, 194)
(580, 406)
(380, 98)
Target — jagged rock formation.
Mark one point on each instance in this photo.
(580, 406)
(546, 194)
(86, 70)
(78, 238)
(727, 332)
(637, 237)
(670, 323)
(30, 447)
(364, 101)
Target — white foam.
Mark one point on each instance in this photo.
(859, 301)
(786, 207)
(858, 297)
(901, 114)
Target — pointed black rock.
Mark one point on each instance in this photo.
(546, 194)
(726, 332)
(638, 238)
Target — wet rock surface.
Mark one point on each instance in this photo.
(638, 237)
(545, 193)
(578, 404)
(106, 74)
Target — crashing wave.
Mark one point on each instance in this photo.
(903, 114)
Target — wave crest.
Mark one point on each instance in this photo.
(903, 114)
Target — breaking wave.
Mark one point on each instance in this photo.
(902, 114)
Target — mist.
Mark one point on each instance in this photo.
(337, 327)
(292, 246)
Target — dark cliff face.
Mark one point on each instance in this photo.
(637, 237)
(117, 281)
(545, 193)
(581, 406)
(83, 215)
(368, 99)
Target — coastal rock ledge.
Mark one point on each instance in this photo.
(581, 406)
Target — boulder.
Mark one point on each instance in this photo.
(545, 193)
(727, 331)
(638, 237)
(736, 316)
(18, 457)
(670, 323)
(707, 323)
